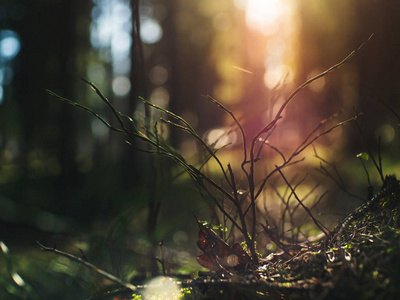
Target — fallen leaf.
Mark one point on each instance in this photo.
(218, 255)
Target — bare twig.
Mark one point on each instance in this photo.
(89, 265)
(307, 143)
(162, 259)
(87, 109)
(389, 108)
(266, 142)
(263, 140)
(106, 101)
(315, 204)
(205, 183)
(236, 122)
(284, 165)
(275, 239)
(189, 129)
(377, 166)
(316, 222)
(338, 182)
(250, 175)
(237, 203)
(365, 169)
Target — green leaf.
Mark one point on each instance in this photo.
(363, 155)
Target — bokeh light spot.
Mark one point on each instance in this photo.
(277, 74)
(150, 31)
(159, 75)
(9, 44)
(386, 132)
(160, 97)
(121, 86)
(121, 44)
(220, 137)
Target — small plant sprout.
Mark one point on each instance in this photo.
(237, 202)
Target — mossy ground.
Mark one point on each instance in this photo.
(363, 263)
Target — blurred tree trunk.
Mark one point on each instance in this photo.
(67, 128)
(133, 160)
(330, 31)
(379, 64)
(150, 180)
(50, 33)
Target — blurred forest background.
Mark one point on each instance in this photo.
(66, 180)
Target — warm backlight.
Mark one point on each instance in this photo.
(275, 20)
(264, 15)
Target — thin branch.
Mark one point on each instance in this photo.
(308, 82)
(263, 141)
(332, 165)
(284, 165)
(239, 210)
(236, 121)
(105, 100)
(319, 199)
(379, 153)
(274, 148)
(315, 204)
(378, 168)
(301, 148)
(365, 169)
(234, 223)
(305, 144)
(235, 191)
(389, 108)
(87, 109)
(275, 239)
(250, 175)
(264, 181)
(89, 265)
(292, 212)
(339, 182)
(316, 222)
(137, 133)
(188, 128)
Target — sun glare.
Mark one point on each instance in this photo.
(275, 20)
(264, 15)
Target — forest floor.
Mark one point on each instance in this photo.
(360, 260)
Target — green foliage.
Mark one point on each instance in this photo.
(363, 155)
(136, 297)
